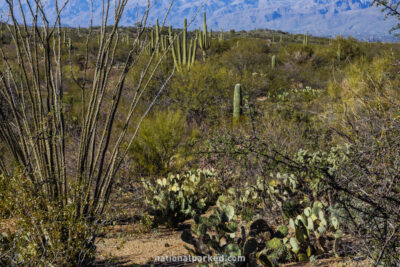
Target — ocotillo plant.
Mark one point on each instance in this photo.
(237, 103)
(182, 54)
(273, 62)
(1, 29)
(204, 40)
(68, 195)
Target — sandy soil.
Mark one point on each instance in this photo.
(142, 249)
(123, 245)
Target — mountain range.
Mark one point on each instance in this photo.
(319, 17)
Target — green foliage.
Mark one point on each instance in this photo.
(348, 48)
(179, 197)
(203, 91)
(246, 55)
(7, 204)
(44, 234)
(160, 145)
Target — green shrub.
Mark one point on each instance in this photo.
(179, 197)
(6, 198)
(44, 234)
(160, 145)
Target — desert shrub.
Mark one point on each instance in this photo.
(203, 92)
(364, 81)
(366, 185)
(219, 47)
(296, 54)
(6, 198)
(161, 144)
(246, 55)
(349, 48)
(177, 198)
(44, 234)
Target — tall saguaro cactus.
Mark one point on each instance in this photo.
(305, 40)
(221, 36)
(158, 42)
(339, 53)
(237, 103)
(183, 54)
(204, 40)
(273, 62)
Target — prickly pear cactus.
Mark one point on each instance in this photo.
(222, 234)
(311, 231)
(179, 197)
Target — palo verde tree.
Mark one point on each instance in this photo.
(391, 8)
(64, 185)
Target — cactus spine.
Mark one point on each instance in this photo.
(204, 41)
(237, 103)
(183, 54)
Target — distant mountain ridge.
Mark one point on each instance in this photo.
(319, 17)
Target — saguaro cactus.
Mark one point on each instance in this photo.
(221, 36)
(339, 53)
(237, 103)
(204, 40)
(158, 42)
(183, 54)
(273, 62)
(305, 40)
